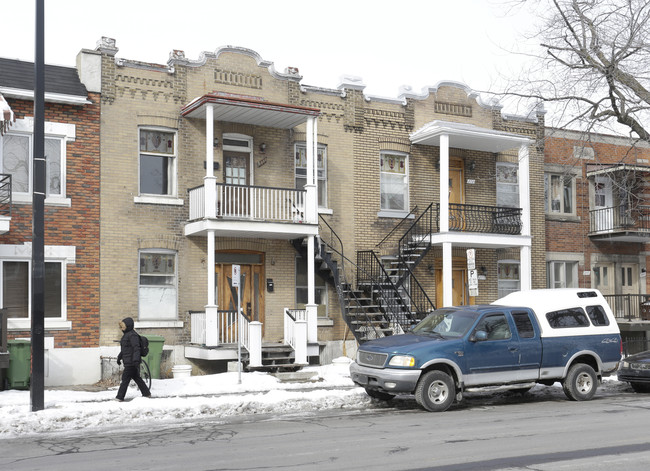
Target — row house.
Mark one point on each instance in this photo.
(597, 205)
(240, 206)
(71, 217)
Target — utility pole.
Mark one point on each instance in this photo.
(38, 209)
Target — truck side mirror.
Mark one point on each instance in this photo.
(479, 336)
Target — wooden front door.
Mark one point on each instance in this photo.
(251, 288)
(456, 195)
(458, 288)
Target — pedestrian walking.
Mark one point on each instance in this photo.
(130, 355)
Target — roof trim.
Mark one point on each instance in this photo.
(605, 169)
(23, 94)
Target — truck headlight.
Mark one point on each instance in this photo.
(402, 360)
(626, 364)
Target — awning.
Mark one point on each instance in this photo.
(468, 136)
(249, 110)
(596, 169)
(6, 115)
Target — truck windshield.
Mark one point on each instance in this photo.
(446, 323)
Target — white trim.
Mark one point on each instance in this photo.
(50, 324)
(146, 324)
(49, 97)
(161, 199)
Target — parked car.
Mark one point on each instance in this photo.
(635, 369)
(539, 336)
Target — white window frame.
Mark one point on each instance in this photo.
(548, 198)
(552, 282)
(53, 254)
(172, 196)
(321, 174)
(248, 149)
(60, 131)
(505, 189)
(147, 318)
(502, 289)
(395, 212)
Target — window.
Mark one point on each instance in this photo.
(508, 277)
(157, 162)
(507, 185)
(320, 294)
(496, 327)
(16, 150)
(559, 194)
(564, 318)
(562, 274)
(524, 325)
(321, 168)
(157, 285)
(16, 287)
(394, 181)
(597, 315)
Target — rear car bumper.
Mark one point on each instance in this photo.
(390, 380)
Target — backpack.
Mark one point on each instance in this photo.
(144, 346)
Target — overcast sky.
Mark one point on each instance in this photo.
(388, 43)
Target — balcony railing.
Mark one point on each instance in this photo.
(617, 218)
(250, 202)
(629, 307)
(486, 219)
(227, 326)
(5, 194)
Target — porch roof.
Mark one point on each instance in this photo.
(468, 136)
(596, 169)
(249, 110)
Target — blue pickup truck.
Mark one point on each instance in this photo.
(527, 337)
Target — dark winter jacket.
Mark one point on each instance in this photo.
(130, 345)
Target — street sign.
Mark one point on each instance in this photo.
(471, 259)
(473, 283)
(236, 271)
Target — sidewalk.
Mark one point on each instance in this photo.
(69, 409)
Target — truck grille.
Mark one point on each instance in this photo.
(371, 359)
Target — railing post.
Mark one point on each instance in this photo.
(211, 326)
(300, 348)
(255, 342)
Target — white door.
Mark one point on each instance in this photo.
(629, 278)
(603, 204)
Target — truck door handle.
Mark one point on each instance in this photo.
(513, 349)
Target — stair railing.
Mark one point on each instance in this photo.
(384, 247)
(417, 239)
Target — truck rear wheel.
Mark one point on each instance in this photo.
(435, 391)
(580, 383)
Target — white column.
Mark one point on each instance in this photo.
(311, 203)
(209, 181)
(255, 343)
(525, 257)
(300, 348)
(211, 314)
(444, 183)
(311, 307)
(447, 275)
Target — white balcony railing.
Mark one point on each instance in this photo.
(295, 333)
(250, 202)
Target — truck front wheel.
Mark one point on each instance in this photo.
(435, 391)
(580, 383)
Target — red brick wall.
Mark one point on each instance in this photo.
(77, 225)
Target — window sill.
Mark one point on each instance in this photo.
(325, 322)
(172, 200)
(325, 210)
(49, 201)
(158, 324)
(387, 213)
(562, 217)
(50, 324)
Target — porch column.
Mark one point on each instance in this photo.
(211, 314)
(209, 181)
(444, 185)
(525, 262)
(311, 203)
(311, 307)
(447, 264)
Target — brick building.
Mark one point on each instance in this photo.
(71, 218)
(349, 216)
(597, 221)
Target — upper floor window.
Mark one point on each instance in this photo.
(507, 185)
(16, 151)
(321, 171)
(559, 193)
(157, 162)
(394, 181)
(157, 285)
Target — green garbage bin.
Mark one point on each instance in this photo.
(20, 362)
(155, 353)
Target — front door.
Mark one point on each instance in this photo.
(602, 278)
(236, 172)
(629, 278)
(458, 287)
(456, 195)
(603, 204)
(251, 289)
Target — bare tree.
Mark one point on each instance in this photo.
(594, 64)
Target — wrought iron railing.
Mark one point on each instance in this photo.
(5, 195)
(618, 218)
(484, 219)
(389, 244)
(629, 307)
